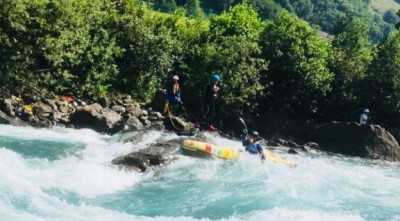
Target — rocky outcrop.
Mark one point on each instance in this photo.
(154, 156)
(106, 115)
(367, 141)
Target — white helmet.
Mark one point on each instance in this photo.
(175, 77)
(366, 110)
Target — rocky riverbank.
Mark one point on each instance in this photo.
(106, 115)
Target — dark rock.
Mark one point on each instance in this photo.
(51, 103)
(155, 155)
(157, 125)
(158, 101)
(306, 148)
(312, 145)
(93, 116)
(292, 151)
(42, 110)
(175, 123)
(105, 102)
(5, 119)
(367, 141)
(292, 144)
(133, 123)
(6, 105)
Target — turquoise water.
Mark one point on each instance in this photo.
(65, 174)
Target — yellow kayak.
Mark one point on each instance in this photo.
(202, 149)
(274, 157)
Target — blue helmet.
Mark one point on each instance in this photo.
(366, 110)
(215, 77)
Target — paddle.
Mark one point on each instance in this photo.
(245, 126)
(247, 134)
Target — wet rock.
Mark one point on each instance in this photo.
(6, 105)
(105, 102)
(42, 110)
(367, 141)
(95, 117)
(157, 125)
(292, 151)
(5, 119)
(154, 156)
(133, 123)
(175, 123)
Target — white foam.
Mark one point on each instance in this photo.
(284, 214)
(321, 187)
(86, 136)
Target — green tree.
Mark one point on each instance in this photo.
(267, 9)
(351, 55)
(382, 92)
(390, 16)
(231, 49)
(146, 58)
(298, 76)
(60, 45)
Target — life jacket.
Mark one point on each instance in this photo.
(173, 88)
(211, 92)
(214, 95)
(176, 88)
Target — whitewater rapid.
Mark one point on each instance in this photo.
(65, 174)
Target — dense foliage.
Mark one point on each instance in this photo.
(324, 13)
(279, 67)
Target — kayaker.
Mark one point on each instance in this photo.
(252, 145)
(211, 95)
(173, 95)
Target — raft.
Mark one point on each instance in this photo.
(202, 149)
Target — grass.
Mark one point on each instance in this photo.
(381, 6)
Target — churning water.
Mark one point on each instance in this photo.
(65, 175)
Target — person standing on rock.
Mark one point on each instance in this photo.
(173, 95)
(211, 95)
(364, 117)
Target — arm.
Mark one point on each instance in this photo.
(245, 141)
(260, 151)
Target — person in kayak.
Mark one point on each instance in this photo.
(211, 95)
(251, 144)
(173, 95)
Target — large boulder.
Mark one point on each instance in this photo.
(158, 101)
(15, 121)
(176, 123)
(7, 106)
(156, 155)
(42, 110)
(367, 141)
(95, 117)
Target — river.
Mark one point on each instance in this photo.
(62, 174)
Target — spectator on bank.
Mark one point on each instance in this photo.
(364, 117)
